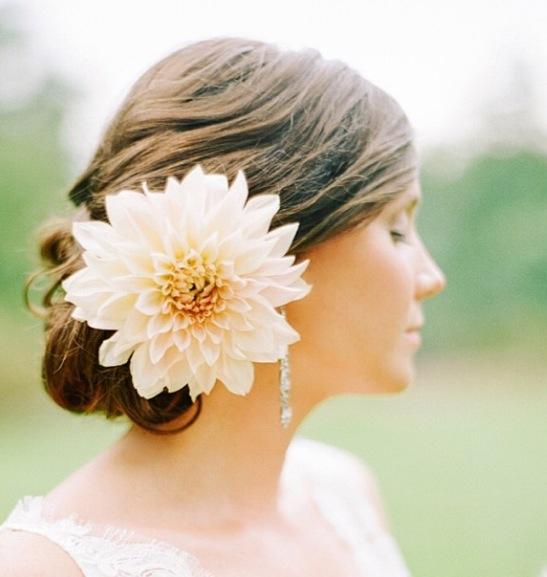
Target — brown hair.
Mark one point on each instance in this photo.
(335, 147)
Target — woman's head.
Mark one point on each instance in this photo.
(336, 148)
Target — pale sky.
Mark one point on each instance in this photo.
(442, 60)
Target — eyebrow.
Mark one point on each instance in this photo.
(408, 203)
(412, 201)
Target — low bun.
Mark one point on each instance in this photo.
(71, 374)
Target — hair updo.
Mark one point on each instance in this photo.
(334, 146)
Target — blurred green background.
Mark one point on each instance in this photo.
(460, 457)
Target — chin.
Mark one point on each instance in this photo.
(388, 380)
(390, 384)
(397, 381)
(406, 380)
(398, 386)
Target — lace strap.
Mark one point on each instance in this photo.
(111, 554)
(339, 484)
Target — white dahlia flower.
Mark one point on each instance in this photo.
(189, 279)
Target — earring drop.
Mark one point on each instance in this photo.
(285, 386)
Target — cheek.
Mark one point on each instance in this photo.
(387, 291)
(359, 303)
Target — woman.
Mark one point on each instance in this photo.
(209, 479)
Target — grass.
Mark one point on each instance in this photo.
(459, 457)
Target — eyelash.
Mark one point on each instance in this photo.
(399, 236)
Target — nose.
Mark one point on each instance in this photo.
(431, 279)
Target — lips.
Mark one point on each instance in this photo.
(413, 333)
(414, 336)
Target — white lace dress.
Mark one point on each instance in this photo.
(333, 477)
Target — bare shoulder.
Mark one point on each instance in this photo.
(26, 554)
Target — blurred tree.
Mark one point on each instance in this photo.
(33, 166)
(487, 222)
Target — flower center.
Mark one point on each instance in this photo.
(194, 288)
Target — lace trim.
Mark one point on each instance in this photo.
(113, 553)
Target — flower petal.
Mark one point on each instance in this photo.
(210, 351)
(251, 258)
(84, 283)
(217, 187)
(105, 268)
(198, 332)
(134, 328)
(275, 265)
(179, 375)
(239, 305)
(114, 352)
(130, 214)
(182, 340)
(158, 345)
(103, 324)
(259, 212)
(194, 356)
(203, 381)
(285, 334)
(260, 339)
(263, 312)
(97, 236)
(145, 374)
(279, 295)
(117, 307)
(214, 332)
(238, 192)
(291, 274)
(238, 322)
(159, 324)
(150, 302)
(284, 236)
(237, 375)
(131, 283)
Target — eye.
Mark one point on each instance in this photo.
(398, 236)
(402, 223)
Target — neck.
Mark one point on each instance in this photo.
(225, 469)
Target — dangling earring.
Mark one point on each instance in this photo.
(285, 386)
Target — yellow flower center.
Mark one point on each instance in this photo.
(194, 288)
